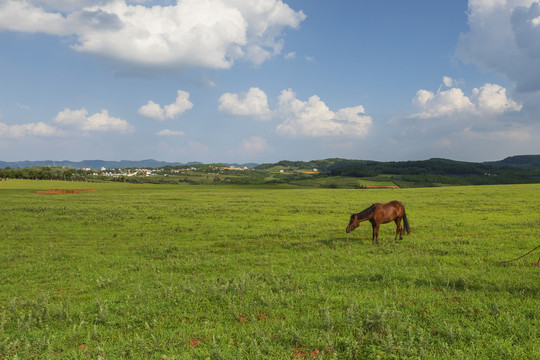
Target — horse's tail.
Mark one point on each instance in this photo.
(406, 223)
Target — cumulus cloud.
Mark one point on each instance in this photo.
(504, 36)
(453, 122)
(23, 16)
(253, 103)
(168, 132)
(66, 121)
(310, 118)
(29, 129)
(190, 33)
(171, 111)
(313, 118)
(79, 120)
(492, 99)
(443, 103)
(487, 100)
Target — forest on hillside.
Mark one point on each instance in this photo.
(334, 172)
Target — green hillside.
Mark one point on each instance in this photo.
(326, 173)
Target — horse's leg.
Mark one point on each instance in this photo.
(375, 233)
(398, 229)
(372, 230)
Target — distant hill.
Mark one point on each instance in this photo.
(432, 166)
(92, 164)
(334, 172)
(452, 166)
(325, 165)
(513, 170)
(525, 161)
(320, 165)
(98, 164)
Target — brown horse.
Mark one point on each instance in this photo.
(378, 214)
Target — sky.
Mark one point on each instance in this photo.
(269, 80)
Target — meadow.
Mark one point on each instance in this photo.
(142, 271)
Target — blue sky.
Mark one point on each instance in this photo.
(266, 80)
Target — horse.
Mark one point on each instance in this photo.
(378, 214)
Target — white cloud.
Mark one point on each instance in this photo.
(311, 118)
(458, 125)
(487, 100)
(448, 81)
(25, 17)
(492, 99)
(504, 36)
(29, 129)
(314, 119)
(71, 117)
(168, 132)
(68, 120)
(171, 111)
(443, 103)
(190, 33)
(290, 55)
(101, 121)
(253, 103)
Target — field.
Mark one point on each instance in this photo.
(141, 271)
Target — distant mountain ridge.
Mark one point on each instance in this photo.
(98, 164)
(521, 161)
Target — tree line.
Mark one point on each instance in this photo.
(430, 172)
(45, 173)
(439, 171)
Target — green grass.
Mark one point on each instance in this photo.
(228, 272)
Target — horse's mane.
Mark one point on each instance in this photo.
(365, 213)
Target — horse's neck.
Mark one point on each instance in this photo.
(366, 214)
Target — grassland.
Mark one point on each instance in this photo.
(140, 271)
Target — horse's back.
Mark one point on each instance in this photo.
(391, 210)
(395, 204)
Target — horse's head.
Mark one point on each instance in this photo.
(353, 223)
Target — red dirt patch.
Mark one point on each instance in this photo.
(243, 319)
(60, 192)
(194, 343)
(299, 352)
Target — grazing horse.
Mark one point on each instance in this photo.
(378, 214)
